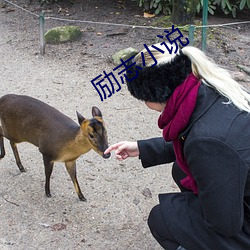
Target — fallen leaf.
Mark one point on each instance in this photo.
(58, 227)
(147, 15)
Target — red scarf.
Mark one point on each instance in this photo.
(174, 119)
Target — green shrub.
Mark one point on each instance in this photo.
(157, 6)
(47, 1)
(211, 7)
(165, 6)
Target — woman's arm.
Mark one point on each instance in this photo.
(124, 149)
(155, 151)
(151, 152)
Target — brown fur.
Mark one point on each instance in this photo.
(59, 138)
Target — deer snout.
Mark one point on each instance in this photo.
(106, 156)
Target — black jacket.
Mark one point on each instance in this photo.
(216, 145)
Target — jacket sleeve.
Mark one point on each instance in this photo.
(220, 173)
(155, 151)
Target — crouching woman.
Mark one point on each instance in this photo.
(205, 120)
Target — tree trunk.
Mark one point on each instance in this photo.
(183, 11)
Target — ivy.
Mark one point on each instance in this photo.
(47, 1)
(165, 6)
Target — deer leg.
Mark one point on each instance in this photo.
(1, 144)
(48, 165)
(18, 161)
(71, 168)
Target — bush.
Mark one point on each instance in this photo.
(47, 1)
(165, 6)
(156, 6)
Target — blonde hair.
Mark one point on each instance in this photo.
(205, 69)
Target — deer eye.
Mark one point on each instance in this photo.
(91, 136)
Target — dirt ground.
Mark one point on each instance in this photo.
(119, 195)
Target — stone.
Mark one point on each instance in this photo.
(239, 76)
(123, 54)
(147, 193)
(2, 3)
(63, 34)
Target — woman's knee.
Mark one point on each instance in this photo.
(159, 229)
(153, 218)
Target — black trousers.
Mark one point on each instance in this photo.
(179, 221)
(156, 222)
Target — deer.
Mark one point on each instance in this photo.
(58, 137)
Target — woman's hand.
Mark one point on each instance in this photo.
(124, 150)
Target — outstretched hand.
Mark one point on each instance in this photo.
(124, 150)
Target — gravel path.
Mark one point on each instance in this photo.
(120, 194)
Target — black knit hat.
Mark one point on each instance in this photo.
(157, 83)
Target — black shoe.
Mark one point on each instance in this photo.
(181, 248)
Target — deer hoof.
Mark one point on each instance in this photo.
(82, 198)
(48, 195)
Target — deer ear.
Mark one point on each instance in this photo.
(80, 118)
(96, 112)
